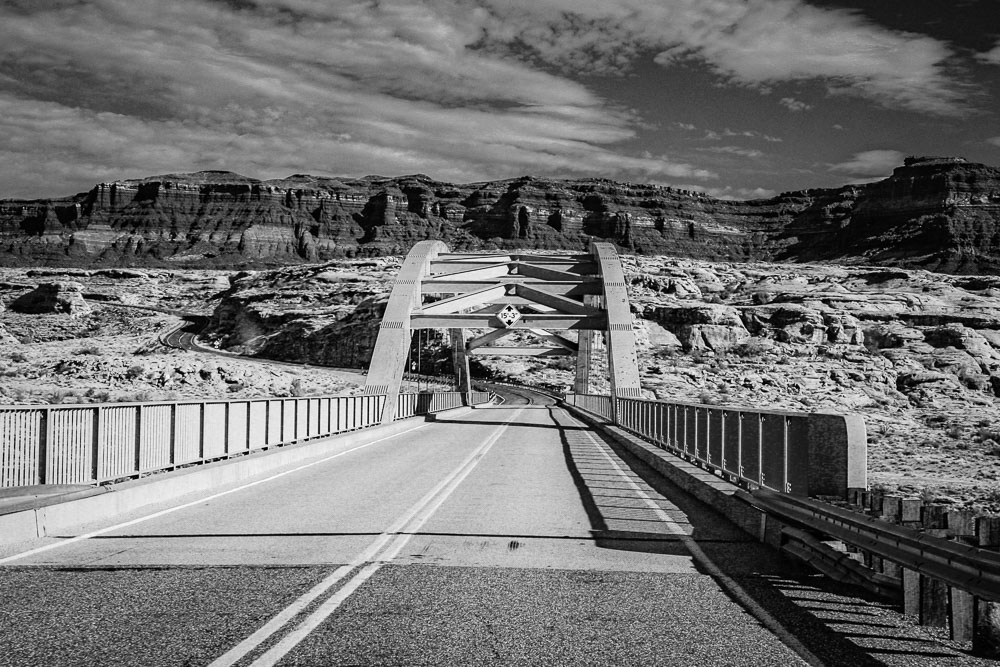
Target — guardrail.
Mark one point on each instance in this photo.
(798, 453)
(945, 583)
(96, 443)
(959, 565)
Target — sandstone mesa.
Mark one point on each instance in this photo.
(941, 214)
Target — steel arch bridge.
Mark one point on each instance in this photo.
(504, 293)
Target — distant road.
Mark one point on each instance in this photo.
(184, 336)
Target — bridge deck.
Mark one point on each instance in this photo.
(507, 536)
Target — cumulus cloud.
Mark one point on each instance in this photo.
(994, 141)
(793, 104)
(871, 164)
(460, 89)
(750, 42)
(272, 87)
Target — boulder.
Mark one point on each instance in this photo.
(6, 338)
(59, 297)
(893, 335)
(843, 329)
(715, 337)
(787, 323)
(703, 326)
(960, 337)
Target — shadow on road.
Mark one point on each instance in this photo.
(829, 619)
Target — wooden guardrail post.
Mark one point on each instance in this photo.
(934, 593)
(910, 512)
(986, 614)
(961, 604)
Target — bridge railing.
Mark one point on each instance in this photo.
(96, 443)
(409, 405)
(798, 453)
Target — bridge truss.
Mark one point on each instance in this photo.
(483, 298)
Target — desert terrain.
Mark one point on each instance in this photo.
(916, 353)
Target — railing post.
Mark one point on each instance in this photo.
(985, 614)
(45, 447)
(173, 435)
(96, 446)
(201, 431)
(267, 423)
(138, 440)
(225, 428)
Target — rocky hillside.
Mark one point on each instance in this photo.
(941, 214)
(916, 353)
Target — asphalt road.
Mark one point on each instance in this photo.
(509, 535)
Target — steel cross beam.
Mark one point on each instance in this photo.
(506, 293)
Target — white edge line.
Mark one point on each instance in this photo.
(169, 510)
(727, 582)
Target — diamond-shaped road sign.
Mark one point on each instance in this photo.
(509, 316)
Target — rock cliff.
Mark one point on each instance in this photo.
(941, 214)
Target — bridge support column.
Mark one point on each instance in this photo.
(460, 360)
(385, 374)
(623, 368)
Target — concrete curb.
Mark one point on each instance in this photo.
(451, 412)
(725, 497)
(61, 513)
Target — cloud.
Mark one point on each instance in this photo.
(748, 42)
(460, 89)
(734, 150)
(271, 88)
(992, 56)
(733, 194)
(794, 105)
(719, 135)
(994, 141)
(870, 164)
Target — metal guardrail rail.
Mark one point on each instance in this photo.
(959, 565)
(764, 451)
(97, 443)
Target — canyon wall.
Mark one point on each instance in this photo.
(937, 213)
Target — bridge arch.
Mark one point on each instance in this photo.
(504, 293)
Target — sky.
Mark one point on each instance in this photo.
(737, 98)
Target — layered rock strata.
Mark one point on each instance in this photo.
(937, 213)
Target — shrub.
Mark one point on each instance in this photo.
(754, 347)
(988, 433)
(135, 372)
(89, 349)
(58, 396)
(17, 357)
(706, 398)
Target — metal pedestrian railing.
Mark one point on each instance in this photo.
(96, 443)
(759, 448)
